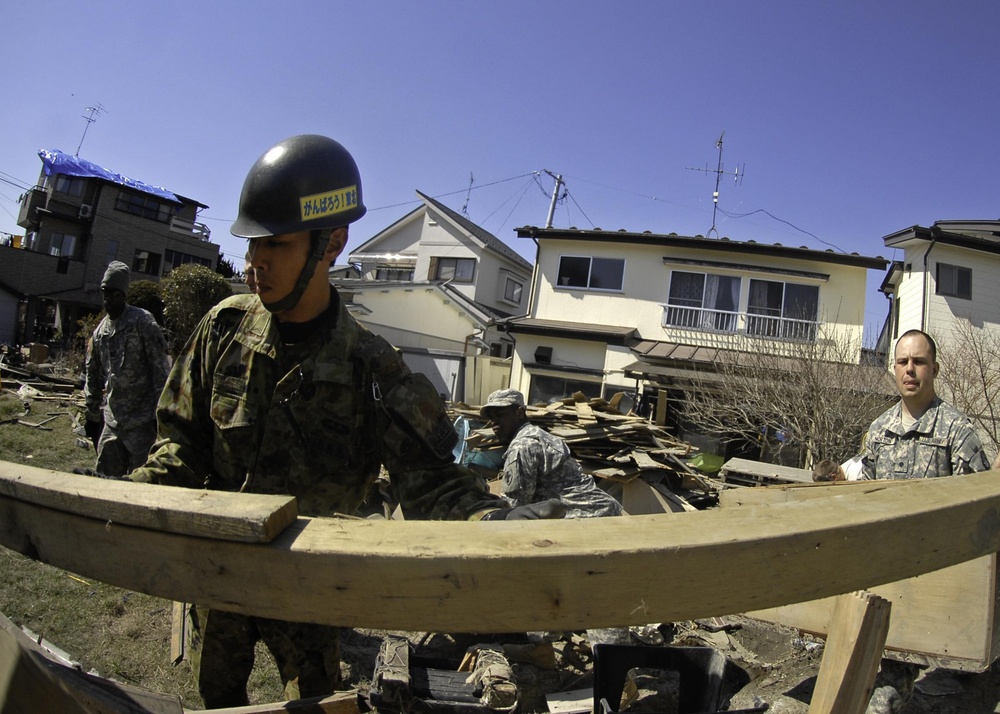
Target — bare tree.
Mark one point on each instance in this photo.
(970, 375)
(815, 396)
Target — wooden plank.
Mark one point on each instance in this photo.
(564, 574)
(945, 617)
(853, 651)
(249, 518)
(761, 471)
(338, 703)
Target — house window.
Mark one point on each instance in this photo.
(784, 310)
(63, 245)
(954, 281)
(112, 252)
(139, 204)
(459, 270)
(500, 349)
(146, 262)
(70, 185)
(591, 273)
(702, 301)
(512, 291)
(174, 259)
(545, 389)
(402, 275)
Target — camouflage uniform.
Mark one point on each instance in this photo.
(127, 364)
(243, 411)
(941, 443)
(538, 466)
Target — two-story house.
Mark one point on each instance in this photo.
(78, 219)
(948, 272)
(432, 283)
(636, 312)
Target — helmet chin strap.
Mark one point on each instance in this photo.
(315, 255)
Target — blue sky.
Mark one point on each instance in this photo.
(850, 120)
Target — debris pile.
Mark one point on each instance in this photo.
(611, 446)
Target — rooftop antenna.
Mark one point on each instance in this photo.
(89, 116)
(719, 172)
(468, 195)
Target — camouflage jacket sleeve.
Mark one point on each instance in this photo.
(967, 454)
(155, 348)
(417, 440)
(183, 449)
(93, 388)
(524, 463)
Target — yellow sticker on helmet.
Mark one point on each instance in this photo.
(329, 203)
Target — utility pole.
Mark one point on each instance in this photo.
(91, 111)
(555, 197)
(718, 171)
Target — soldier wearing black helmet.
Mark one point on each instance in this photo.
(283, 392)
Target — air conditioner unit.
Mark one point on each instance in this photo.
(85, 210)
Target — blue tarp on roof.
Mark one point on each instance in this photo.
(57, 162)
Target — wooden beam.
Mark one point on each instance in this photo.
(254, 518)
(852, 655)
(562, 575)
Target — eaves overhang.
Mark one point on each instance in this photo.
(723, 245)
(609, 334)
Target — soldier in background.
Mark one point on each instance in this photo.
(126, 368)
(921, 436)
(538, 466)
(282, 392)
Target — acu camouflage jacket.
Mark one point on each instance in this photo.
(126, 368)
(942, 442)
(241, 411)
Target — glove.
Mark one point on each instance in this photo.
(93, 430)
(553, 508)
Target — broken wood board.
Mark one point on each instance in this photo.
(563, 574)
(942, 618)
(745, 470)
(250, 518)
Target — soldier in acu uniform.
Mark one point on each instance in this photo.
(283, 392)
(126, 368)
(538, 466)
(921, 436)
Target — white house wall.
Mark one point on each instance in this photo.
(983, 310)
(646, 285)
(396, 248)
(415, 317)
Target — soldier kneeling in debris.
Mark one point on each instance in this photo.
(538, 466)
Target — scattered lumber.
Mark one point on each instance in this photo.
(609, 445)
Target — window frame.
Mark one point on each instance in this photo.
(955, 281)
(151, 262)
(517, 290)
(144, 206)
(563, 271)
(439, 262)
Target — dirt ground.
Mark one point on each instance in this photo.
(767, 665)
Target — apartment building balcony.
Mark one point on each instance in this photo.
(756, 324)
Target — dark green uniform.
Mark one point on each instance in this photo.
(243, 410)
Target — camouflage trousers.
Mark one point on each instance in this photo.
(120, 451)
(222, 655)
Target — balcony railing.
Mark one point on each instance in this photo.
(753, 325)
(698, 318)
(190, 228)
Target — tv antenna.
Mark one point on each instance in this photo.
(468, 195)
(97, 109)
(719, 172)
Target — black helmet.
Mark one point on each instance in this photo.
(307, 182)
